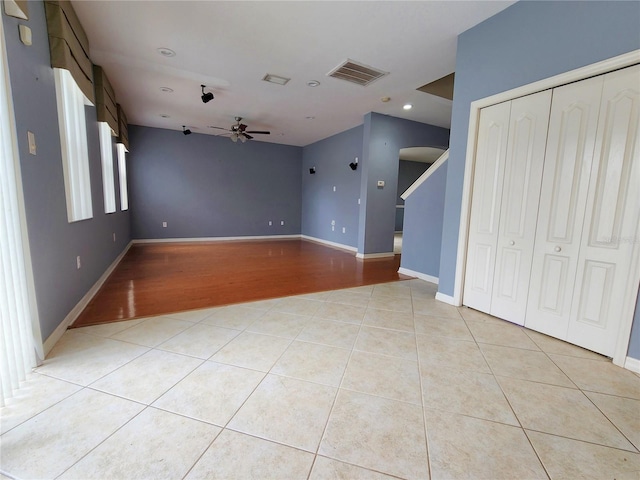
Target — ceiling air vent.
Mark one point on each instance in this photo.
(357, 73)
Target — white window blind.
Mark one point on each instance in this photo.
(17, 354)
(122, 170)
(73, 140)
(108, 185)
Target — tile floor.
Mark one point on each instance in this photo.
(374, 382)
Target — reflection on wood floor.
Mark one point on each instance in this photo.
(154, 279)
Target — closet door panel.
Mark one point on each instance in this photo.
(491, 151)
(607, 277)
(572, 131)
(519, 208)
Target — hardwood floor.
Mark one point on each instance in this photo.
(154, 279)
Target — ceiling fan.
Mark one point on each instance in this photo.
(238, 131)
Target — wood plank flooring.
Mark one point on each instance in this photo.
(154, 279)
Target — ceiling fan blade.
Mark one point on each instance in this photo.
(219, 128)
(248, 137)
(256, 131)
(242, 127)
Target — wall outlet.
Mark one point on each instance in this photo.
(32, 143)
(78, 262)
(333, 222)
(358, 201)
(281, 222)
(333, 228)
(164, 224)
(114, 237)
(344, 229)
(270, 223)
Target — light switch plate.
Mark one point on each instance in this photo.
(25, 35)
(32, 143)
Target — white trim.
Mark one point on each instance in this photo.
(422, 178)
(367, 256)
(447, 299)
(599, 68)
(213, 239)
(632, 364)
(421, 276)
(340, 246)
(81, 305)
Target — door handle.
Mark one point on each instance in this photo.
(557, 249)
(512, 243)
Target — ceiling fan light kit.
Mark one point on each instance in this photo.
(238, 131)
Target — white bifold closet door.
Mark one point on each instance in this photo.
(506, 189)
(584, 274)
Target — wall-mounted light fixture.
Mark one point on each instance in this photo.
(185, 130)
(354, 165)
(312, 170)
(206, 97)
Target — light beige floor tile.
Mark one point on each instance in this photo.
(341, 312)
(567, 459)
(387, 319)
(465, 447)
(51, 442)
(435, 308)
(153, 331)
(108, 329)
(298, 306)
(387, 342)
(329, 332)
(82, 359)
(601, 377)
(553, 345)
(193, 316)
(235, 456)
(471, 315)
(252, 350)
(624, 413)
(313, 363)
(148, 376)
(328, 469)
(263, 304)
(396, 289)
(356, 298)
(467, 393)
(377, 433)
(524, 364)
(320, 296)
(561, 411)
(442, 352)
(155, 444)
(280, 324)
(422, 287)
(363, 289)
(200, 340)
(396, 304)
(36, 393)
(237, 317)
(507, 335)
(442, 326)
(287, 411)
(212, 393)
(383, 376)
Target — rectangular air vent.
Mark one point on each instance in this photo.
(357, 73)
(269, 77)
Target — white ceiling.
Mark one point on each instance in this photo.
(230, 46)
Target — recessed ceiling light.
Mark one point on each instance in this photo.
(407, 106)
(166, 52)
(166, 89)
(164, 115)
(276, 79)
(313, 83)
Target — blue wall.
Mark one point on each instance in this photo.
(528, 41)
(383, 138)
(424, 214)
(206, 186)
(320, 204)
(408, 173)
(55, 243)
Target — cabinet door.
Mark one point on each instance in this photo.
(486, 195)
(608, 273)
(526, 143)
(565, 182)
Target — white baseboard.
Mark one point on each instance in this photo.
(632, 364)
(215, 239)
(446, 299)
(341, 246)
(421, 276)
(80, 306)
(367, 256)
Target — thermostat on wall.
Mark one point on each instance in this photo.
(380, 183)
